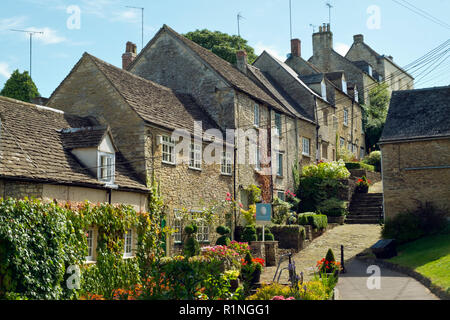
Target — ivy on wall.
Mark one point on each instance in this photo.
(39, 242)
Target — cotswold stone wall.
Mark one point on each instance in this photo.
(88, 93)
(20, 190)
(407, 179)
(185, 188)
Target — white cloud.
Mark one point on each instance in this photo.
(274, 51)
(12, 23)
(4, 70)
(49, 35)
(130, 16)
(341, 48)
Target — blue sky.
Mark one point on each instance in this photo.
(106, 25)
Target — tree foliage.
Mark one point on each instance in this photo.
(20, 86)
(222, 44)
(375, 114)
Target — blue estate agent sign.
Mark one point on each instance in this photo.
(263, 212)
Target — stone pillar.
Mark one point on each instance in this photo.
(257, 249)
(271, 253)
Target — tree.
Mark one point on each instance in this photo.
(222, 44)
(20, 86)
(375, 114)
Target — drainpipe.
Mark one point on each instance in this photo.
(353, 120)
(317, 128)
(109, 195)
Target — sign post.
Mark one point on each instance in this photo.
(263, 216)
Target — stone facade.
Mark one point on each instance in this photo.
(73, 194)
(416, 170)
(328, 60)
(396, 77)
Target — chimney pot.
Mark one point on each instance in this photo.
(241, 60)
(296, 48)
(359, 38)
(129, 55)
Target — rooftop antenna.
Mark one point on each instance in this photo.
(290, 17)
(313, 27)
(239, 18)
(142, 12)
(30, 33)
(328, 4)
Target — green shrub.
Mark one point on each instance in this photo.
(327, 170)
(224, 239)
(317, 221)
(281, 210)
(374, 159)
(268, 236)
(333, 208)
(191, 246)
(359, 165)
(412, 225)
(250, 234)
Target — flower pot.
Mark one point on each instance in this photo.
(256, 277)
(234, 284)
(362, 189)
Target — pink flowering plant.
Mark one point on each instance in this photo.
(230, 255)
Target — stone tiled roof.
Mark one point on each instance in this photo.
(155, 103)
(32, 148)
(269, 84)
(229, 72)
(313, 78)
(87, 137)
(418, 114)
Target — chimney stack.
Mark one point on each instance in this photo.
(129, 55)
(296, 48)
(359, 38)
(322, 40)
(241, 61)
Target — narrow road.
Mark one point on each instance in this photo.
(358, 284)
(354, 238)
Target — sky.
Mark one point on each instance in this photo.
(102, 27)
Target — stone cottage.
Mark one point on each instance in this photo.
(235, 101)
(415, 147)
(327, 60)
(54, 156)
(381, 65)
(142, 116)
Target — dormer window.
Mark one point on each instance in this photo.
(370, 70)
(344, 86)
(106, 168)
(324, 90)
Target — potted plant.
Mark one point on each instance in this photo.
(362, 185)
(251, 269)
(328, 265)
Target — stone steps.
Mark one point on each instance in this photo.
(365, 209)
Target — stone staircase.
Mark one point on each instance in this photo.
(365, 209)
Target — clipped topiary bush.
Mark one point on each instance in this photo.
(250, 234)
(191, 246)
(333, 208)
(374, 159)
(224, 239)
(317, 221)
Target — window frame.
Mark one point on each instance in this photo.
(90, 258)
(323, 89)
(280, 165)
(169, 142)
(226, 164)
(278, 124)
(256, 115)
(346, 114)
(341, 142)
(130, 254)
(109, 167)
(306, 154)
(195, 156)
